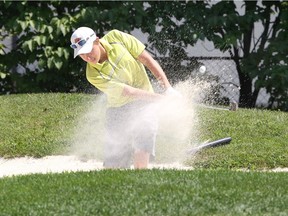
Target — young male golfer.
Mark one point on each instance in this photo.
(115, 66)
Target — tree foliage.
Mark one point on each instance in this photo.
(41, 59)
(260, 59)
(260, 55)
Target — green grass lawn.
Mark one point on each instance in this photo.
(146, 192)
(259, 139)
(38, 124)
(42, 124)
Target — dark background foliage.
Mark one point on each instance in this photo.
(42, 61)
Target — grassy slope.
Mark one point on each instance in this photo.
(37, 124)
(40, 124)
(146, 192)
(259, 139)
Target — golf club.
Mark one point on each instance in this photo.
(215, 143)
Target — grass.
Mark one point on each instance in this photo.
(38, 124)
(146, 192)
(259, 139)
(42, 124)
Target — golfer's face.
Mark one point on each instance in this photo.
(93, 56)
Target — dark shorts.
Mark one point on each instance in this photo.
(129, 128)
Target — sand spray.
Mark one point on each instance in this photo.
(178, 131)
(178, 125)
(179, 122)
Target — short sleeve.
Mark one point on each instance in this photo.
(132, 44)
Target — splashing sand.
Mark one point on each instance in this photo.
(178, 132)
(59, 164)
(178, 123)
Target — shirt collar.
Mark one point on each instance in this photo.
(106, 45)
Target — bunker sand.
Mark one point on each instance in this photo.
(62, 163)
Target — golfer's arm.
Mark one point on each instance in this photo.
(140, 94)
(146, 59)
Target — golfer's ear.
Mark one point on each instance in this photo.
(96, 40)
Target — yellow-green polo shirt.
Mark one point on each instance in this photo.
(120, 69)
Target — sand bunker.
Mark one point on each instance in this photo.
(59, 164)
(63, 163)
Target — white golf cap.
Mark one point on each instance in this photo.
(82, 40)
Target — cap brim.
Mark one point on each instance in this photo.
(84, 49)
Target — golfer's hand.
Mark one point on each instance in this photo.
(172, 92)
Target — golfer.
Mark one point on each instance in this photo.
(115, 66)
